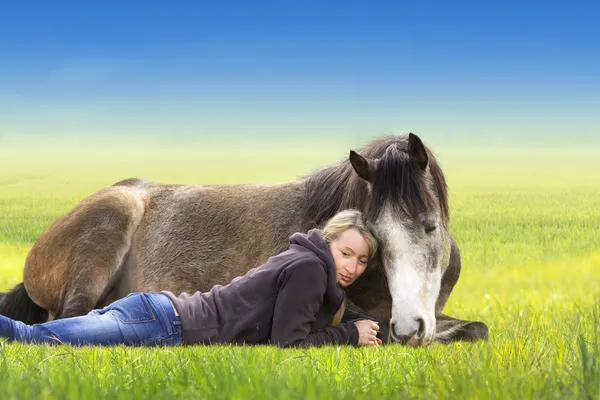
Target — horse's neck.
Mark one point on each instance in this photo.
(330, 190)
(371, 293)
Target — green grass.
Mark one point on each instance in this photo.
(527, 222)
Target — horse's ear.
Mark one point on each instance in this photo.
(361, 165)
(416, 150)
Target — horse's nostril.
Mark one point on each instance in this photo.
(418, 332)
(421, 330)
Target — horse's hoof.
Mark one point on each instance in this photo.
(475, 331)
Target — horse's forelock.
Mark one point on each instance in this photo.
(401, 184)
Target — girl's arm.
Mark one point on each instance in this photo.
(300, 297)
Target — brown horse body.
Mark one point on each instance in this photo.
(143, 236)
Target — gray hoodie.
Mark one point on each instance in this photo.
(288, 301)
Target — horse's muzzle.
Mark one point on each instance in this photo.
(417, 338)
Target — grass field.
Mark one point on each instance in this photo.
(527, 222)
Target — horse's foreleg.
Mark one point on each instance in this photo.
(450, 329)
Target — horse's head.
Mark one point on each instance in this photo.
(408, 212)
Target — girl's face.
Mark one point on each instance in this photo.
(350, 255)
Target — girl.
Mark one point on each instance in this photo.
(295, 299)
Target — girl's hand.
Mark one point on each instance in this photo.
(367, 332)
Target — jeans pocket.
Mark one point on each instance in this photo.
(133, 309)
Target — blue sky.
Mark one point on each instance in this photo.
(454, 72)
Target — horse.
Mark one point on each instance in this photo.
(138, 235)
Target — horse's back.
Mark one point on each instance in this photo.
(133, 182)
(193, 237)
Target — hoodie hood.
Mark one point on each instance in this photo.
(313, 241)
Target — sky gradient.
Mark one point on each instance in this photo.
(473, 72)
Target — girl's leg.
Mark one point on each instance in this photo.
(138, 319)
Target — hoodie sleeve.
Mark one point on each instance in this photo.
(299, 298)
(355, 313)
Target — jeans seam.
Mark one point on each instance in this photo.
(170, 327)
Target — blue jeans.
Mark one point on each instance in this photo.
(140, 319)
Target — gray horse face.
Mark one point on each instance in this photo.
(413, 252)
(404, 215)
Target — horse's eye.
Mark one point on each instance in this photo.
(430, 226)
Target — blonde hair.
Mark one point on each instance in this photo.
(345, 220)
(337, 318)
(337, 225)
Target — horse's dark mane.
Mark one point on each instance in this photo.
(327, 192)
(338, 187)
